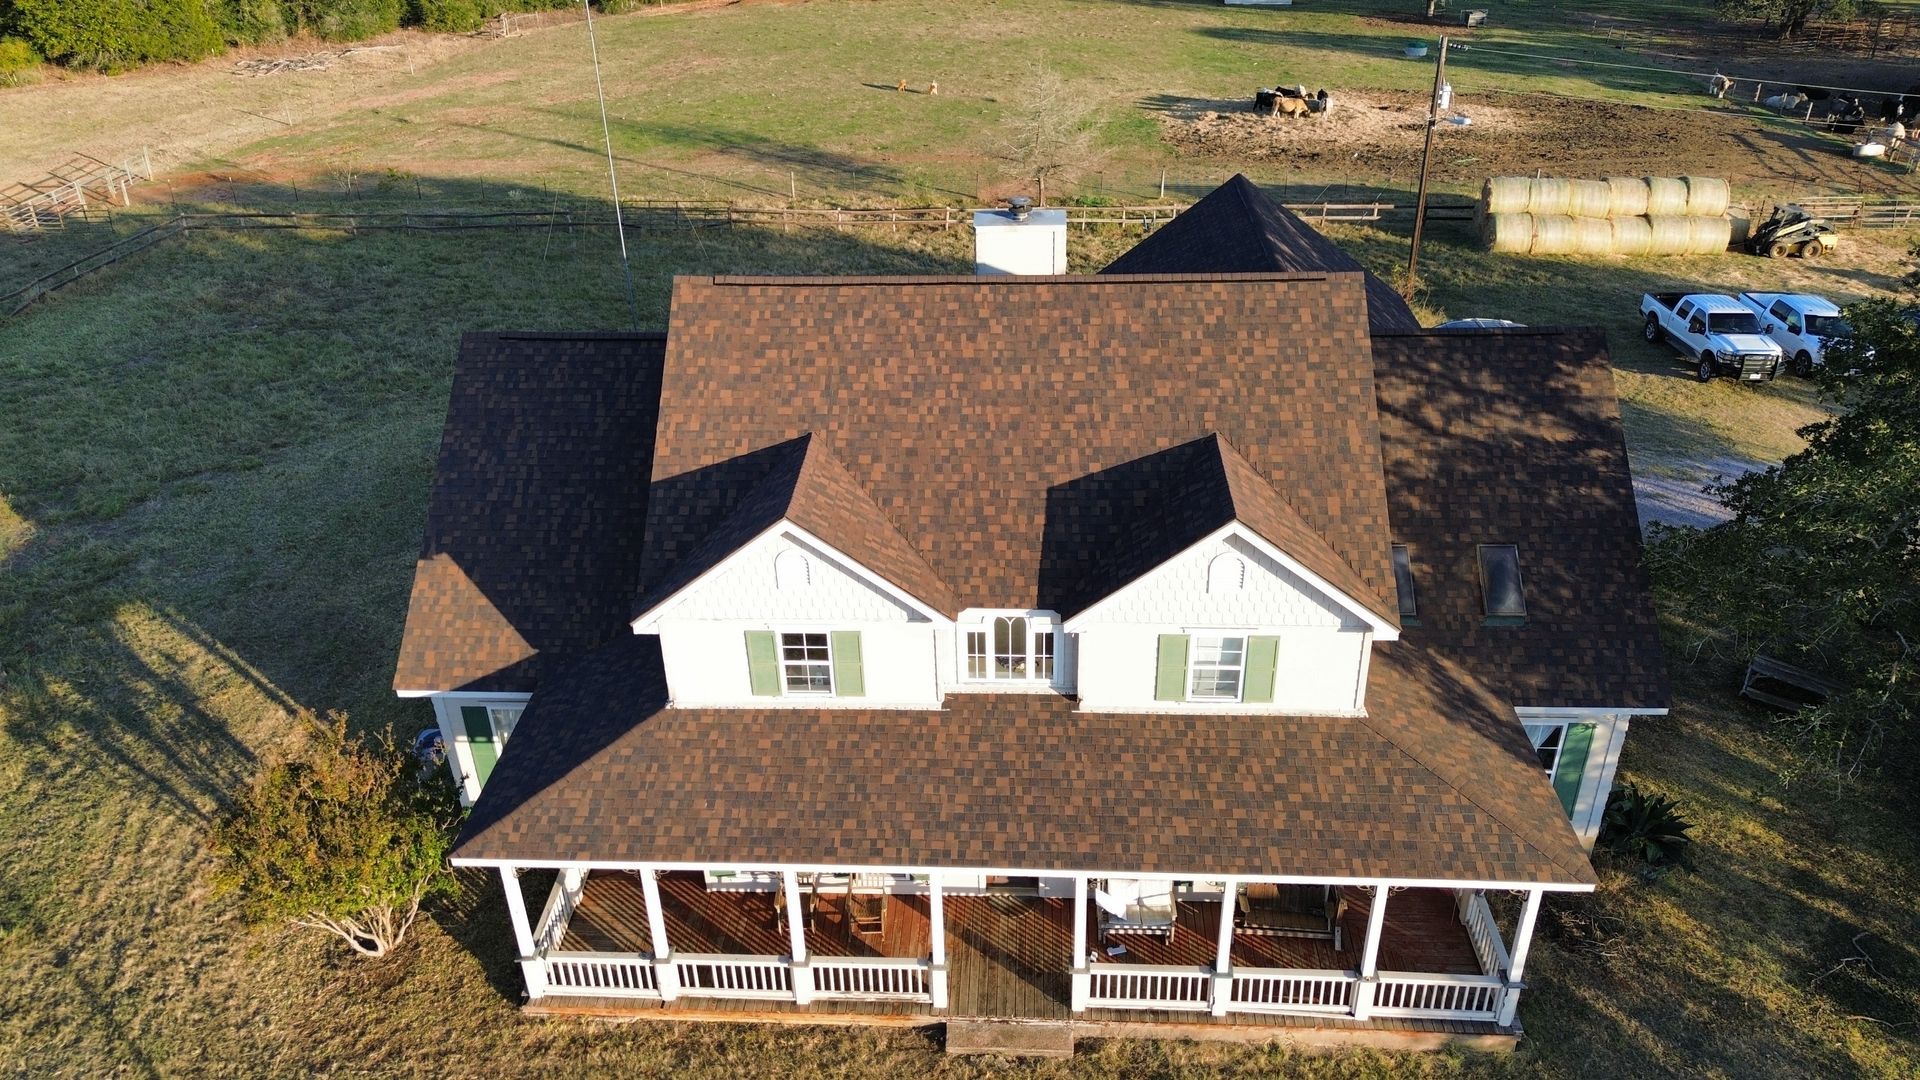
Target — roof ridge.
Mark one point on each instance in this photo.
(1523, 835)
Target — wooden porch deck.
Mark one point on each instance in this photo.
(1008, 955)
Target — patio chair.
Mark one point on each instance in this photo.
(1137, 906)
(866, 911)
(1312, 911)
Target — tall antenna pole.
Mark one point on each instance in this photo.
(1426, 158)
(613, 175)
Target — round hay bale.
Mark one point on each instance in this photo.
(1552, 234)
(1631, 235)
(1666, 197)
(1741, 227)
(1550, 196)
(1506, 194)
(1707, 196)
(1592, 236)
(1591, 199)
(1626, 196)
(1510, 232)
(1669, 234)
(1709, 235)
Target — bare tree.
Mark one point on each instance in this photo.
(1050, 134)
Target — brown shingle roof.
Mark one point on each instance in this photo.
(1236, 228)
(806, 486)
(534, 522)
(1512, 436)
(1136, 516)
(974, 411)
(1438, 782)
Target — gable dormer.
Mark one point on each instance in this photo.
(805, 595)
(1222, 598)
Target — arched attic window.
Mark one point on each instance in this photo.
(1226, 574)
(791, 571)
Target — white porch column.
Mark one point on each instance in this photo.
(797, 939)
(1082, 978)
(1370, 955)
(1223, 951)
(1517, 961)
(665, 975)
(937, 916)
(532, 968)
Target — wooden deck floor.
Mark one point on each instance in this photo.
(1008, 955)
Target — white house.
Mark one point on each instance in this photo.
(1195, 644)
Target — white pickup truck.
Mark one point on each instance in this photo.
(1803, 325)
(1718, 332)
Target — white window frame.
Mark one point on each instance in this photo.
(780, 655)
(511, 713)
(1549, 731)
(1194, 638)
(1039, 624)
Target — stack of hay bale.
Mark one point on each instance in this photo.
(1621, 215)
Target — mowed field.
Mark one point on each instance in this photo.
(213, 469)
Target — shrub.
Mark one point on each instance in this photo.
(19, 64)
(113, 35)
(345, 20)
(451, 16)
(251, 22)
(347, 836)
(1645, 826)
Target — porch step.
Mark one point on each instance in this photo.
(1014, 1038)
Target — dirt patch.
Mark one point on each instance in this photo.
(1523, 134)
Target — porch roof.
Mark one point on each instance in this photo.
(1437, 783)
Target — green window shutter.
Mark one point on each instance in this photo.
(849, 678)
(763, 664)
(480, 745)
(1573, 763)
(1170, 681)
(1263, 656)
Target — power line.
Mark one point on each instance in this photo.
(613, 175)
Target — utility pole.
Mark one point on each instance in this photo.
(1426, 159)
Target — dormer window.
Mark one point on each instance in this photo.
(1011, 648)
(1500, 581)
(1215, 667)
(806, 663)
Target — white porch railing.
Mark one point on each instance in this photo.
(1284, 990)
(601, 974)
(1150, 986)
(551, 930)
(714, 975)
(871, 978)
(1445, 997)
(1477, 917)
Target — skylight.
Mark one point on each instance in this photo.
(1403, 580)
(1500, 581)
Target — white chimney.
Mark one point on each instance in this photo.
(1020, 240)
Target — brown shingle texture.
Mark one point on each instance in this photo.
(1438, 782)
(534, 522)
(1512, 436)
(804, 485)
(973, 411)
(1238, 228)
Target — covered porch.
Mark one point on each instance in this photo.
(958, 945)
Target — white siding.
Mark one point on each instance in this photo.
(706, 664)
(1177, 592)
(1317, 671)
(744, 587)
(1597, 773)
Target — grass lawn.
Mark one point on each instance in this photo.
(211, 489)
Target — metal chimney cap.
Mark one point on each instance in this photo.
(1019, 206)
